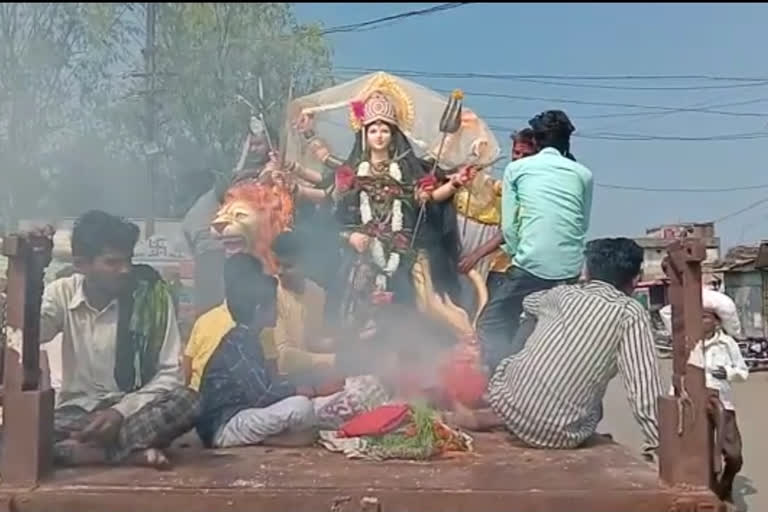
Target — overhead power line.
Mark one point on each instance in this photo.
(516, 76)
(560, 82)
(643, 137)
(653, 113)
(387, 20)
(652, 137)
(682, 190)
(610, 104)
(747, 208)
(713, 109)
(645, 88)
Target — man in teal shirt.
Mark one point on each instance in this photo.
(546, 202)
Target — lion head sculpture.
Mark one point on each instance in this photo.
(250, 218)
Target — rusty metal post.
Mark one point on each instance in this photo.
(28, 409)
(685, 432)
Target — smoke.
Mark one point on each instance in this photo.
(396, 342)
(401, 346)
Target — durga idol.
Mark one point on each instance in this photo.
(379, 192)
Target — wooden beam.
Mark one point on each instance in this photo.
(27, 407)
(685, 432)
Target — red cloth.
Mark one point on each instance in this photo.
(377, 422)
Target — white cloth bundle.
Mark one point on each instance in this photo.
(719, 304)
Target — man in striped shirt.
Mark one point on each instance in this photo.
(550, 394)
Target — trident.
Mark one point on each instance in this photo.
(450, 122)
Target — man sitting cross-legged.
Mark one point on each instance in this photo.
(121, 398)
(243, 402)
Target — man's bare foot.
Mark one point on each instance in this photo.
(151, 457)
(74, 453)
(475, 420)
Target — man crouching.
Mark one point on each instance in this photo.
(122, 398)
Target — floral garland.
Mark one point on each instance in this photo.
(387, 265)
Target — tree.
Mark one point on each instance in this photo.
(72, 97)
(207, 54)
(55, 56)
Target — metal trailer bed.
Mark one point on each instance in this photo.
(499, 476)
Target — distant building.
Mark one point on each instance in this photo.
(745, 271)
(657, 239)
(683, 230)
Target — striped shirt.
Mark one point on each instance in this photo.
(550, 394)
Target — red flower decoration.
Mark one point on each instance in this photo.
(428, 183)
(358, 110)
(344, 178)
(375, 229)
(382, 298)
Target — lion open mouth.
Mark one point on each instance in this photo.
(233, 244)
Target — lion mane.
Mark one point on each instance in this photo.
(258, 213)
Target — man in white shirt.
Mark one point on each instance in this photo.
(122, 397)
(723, 363)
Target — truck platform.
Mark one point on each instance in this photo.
(499, 476)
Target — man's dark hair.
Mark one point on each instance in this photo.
(553, 129)
(616, 261)
(96, 231)
(247, 286)
(287, 247)
(525, 136)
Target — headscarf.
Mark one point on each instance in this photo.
(714, 302)
(724, 308)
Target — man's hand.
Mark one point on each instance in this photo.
(307, 391)
(102, 427)
(330, 387)
(462, 417)
(720, 373)
(468, 262)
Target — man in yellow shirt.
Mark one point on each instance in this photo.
(206, 334)
(300, 314)
(303, 351)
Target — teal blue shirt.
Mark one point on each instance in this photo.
(545, 206)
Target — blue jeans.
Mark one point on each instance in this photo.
(499, 322)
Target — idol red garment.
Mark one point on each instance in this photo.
(461, 378)
(379, 421)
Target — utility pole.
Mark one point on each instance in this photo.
(151, 149)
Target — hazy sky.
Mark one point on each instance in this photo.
(603, 39)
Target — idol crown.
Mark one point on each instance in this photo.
(378, 108)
